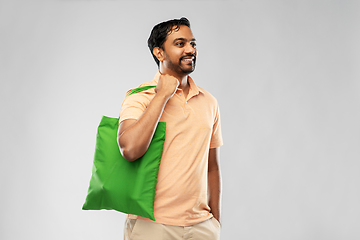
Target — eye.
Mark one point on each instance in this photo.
(179, 44)
(193, 44)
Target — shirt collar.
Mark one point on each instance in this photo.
(193, 91)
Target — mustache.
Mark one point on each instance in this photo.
(188, 55)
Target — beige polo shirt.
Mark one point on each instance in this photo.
(192, 128)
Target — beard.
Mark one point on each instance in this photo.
(179, 68)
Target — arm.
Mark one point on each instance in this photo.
(214, 182)
(134, 136)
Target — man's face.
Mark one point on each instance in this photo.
(180, 51)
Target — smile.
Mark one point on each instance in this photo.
(188, 60)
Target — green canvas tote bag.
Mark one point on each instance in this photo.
(117, 184)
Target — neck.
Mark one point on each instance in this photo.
(182, 78)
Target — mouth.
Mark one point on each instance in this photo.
(188, 59)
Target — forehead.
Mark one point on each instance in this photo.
(183, 32)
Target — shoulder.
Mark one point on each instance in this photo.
(140, 99)
(208, 96)
(147, 91)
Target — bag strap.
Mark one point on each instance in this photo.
(139, 89)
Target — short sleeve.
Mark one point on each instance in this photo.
(134, 105)
(216, 137)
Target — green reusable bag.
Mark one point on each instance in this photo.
(117, 184)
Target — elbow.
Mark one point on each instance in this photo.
(128, 151)
(128, 154)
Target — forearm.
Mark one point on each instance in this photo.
(214, 180)
(135, 139)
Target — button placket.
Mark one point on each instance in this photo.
(181, 95)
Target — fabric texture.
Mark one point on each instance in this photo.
(117, 184)
(138, 230)
(193, 127)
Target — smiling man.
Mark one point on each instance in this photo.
(187, 198)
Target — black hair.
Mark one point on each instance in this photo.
(160, 32)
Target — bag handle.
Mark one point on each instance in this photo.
(139, 89)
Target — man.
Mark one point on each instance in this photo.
(187, 198)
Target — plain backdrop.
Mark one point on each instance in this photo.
(286, 75)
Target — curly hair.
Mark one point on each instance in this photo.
(160, 32)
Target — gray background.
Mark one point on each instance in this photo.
(286, 75)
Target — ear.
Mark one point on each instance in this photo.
(159, 53)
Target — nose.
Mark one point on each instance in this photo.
(189, 49)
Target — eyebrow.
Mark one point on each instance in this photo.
(184, 39)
